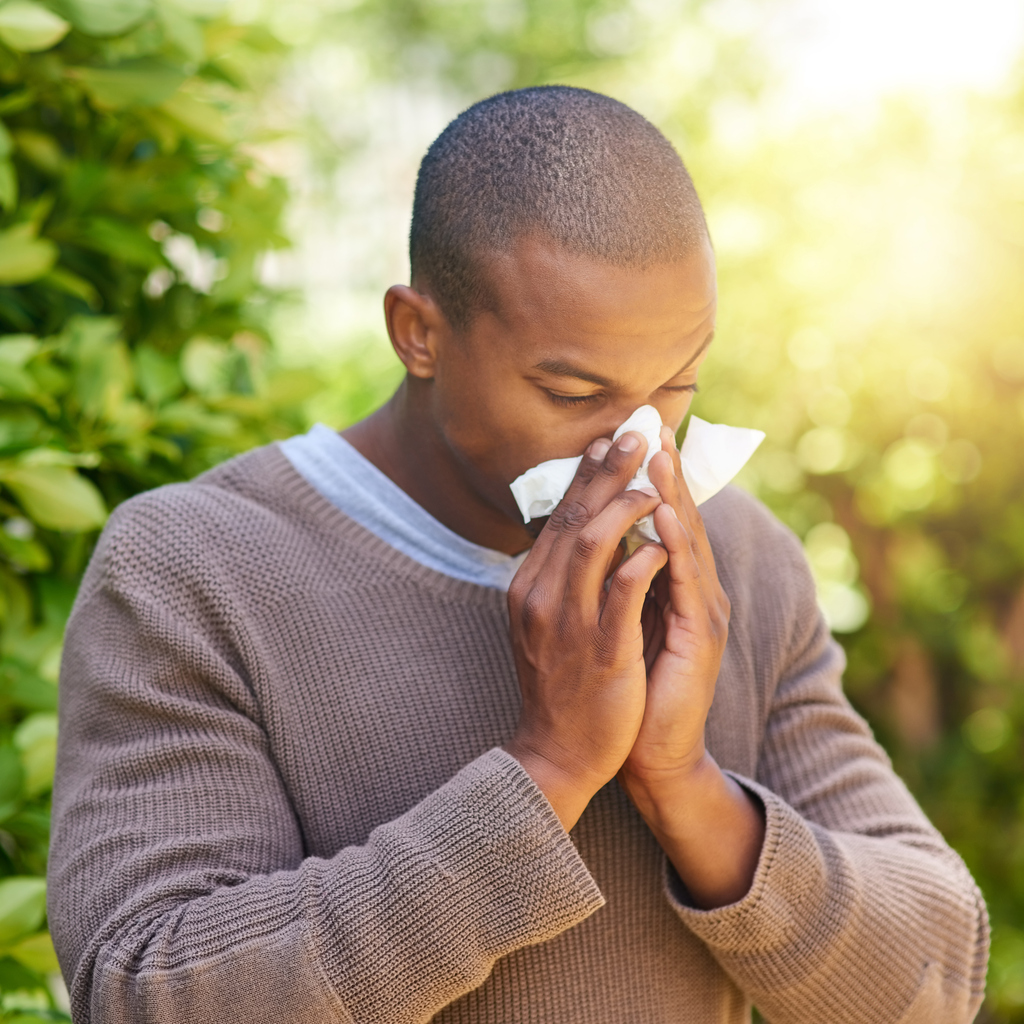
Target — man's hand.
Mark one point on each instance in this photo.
(579, 646)
(710, 828)
(686, 625)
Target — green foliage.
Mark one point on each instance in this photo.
(133, 348)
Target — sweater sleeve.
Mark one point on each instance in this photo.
(859, 911)
(179, 890)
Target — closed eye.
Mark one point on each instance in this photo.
(570, 400)
(681, 387)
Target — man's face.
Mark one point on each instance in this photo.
(571, 348)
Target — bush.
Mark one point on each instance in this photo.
(133, 349)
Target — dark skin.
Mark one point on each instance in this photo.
(616, 681)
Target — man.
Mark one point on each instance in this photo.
(315, 764)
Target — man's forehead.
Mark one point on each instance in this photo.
(539, 279)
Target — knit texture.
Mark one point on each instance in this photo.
(280, 797)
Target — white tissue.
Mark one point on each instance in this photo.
(712, 454)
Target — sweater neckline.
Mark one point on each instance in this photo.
(279, 477)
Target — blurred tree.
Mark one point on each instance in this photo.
(132, 343)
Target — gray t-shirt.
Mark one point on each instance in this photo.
(355, 485)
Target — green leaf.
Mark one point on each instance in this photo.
(19, 429)
(183, 31)
(71, 284)
(15, 976)
(106, 17)
(22, 907)
(29, 27)
(16, 102)
(158, 375)
(197, 117)
(103, 371)
(121, 240)
(17, 349)
(32, 215)
(55, 497)
(6, 142)
(36, 953)
(145, 82)
(41, 150)
(8, 185)
(205, 365)
(23, 257)
(59, 457)
(27, 554)
(200, 8)
(16, 382)
(36, 741)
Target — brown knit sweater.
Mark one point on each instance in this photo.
(280, 798)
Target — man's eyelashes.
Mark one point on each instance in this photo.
(576, 400)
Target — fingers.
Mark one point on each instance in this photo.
(597, 544)
(627, 590)
(591, 462)
(672, 487)
(668, 444)
(608, 477)
(597, 483)
(686, 573)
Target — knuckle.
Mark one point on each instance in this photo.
(616, 463)
(588, 469)
(632, 501)
(533, 607)
(572, 516)
(589, 542)
(624, 580)
(519, 587)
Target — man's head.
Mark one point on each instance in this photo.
(580, 168)
(562, 277)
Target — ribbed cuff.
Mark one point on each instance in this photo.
(532, 852)
(785, 898)
(478, 869)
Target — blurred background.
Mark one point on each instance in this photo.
(202, 202)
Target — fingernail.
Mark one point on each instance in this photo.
(599, 449)
(629, 443)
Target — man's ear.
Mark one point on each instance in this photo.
(415, 325)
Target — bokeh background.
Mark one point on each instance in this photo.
(202, 201)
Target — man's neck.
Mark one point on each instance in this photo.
(404, 444)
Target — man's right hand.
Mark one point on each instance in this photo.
(579, 646)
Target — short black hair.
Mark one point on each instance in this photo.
(583, 168)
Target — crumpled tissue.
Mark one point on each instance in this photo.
(711, 455)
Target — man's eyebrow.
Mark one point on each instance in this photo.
(561, 368)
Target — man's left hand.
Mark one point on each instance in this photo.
(708, 825)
